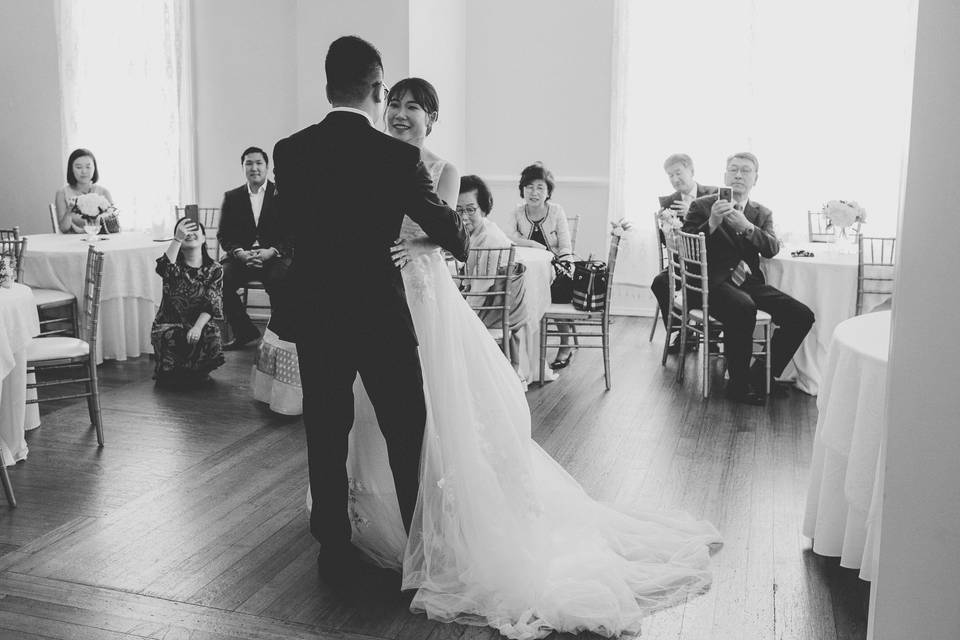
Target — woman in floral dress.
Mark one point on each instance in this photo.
(186, 345)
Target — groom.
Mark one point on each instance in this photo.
(343, 190)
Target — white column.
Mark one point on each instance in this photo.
(917, 591)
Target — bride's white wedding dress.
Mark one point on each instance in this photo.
(502, 535)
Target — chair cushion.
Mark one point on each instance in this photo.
(51, 296)
(762, 316)
(56, 348)
(567, 310)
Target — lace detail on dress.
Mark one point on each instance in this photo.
(355, 489)
(417, 276)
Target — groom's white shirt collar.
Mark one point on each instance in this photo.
(353, 110)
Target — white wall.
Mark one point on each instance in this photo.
(33, 162)
(538, 88)
(915, 594)
(438, 53)
(245, 83)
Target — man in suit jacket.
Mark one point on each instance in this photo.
(254, 244)
(738, 233)
(679, 168)
(344, 187)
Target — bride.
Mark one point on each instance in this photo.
(502, 535)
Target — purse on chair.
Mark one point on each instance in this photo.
(589, 285)
(561, 289)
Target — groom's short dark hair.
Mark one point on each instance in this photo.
(351, 65)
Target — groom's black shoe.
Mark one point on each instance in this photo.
(348, 572)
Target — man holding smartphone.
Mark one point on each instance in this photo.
(673, 209)
(738, 232)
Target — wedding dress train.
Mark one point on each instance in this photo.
(502, 535)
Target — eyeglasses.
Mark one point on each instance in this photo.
(742, 170)
(469, 209)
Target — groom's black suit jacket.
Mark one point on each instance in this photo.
(343, 188)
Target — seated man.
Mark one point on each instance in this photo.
(474, 204)
(673, 208)
(253, 242)
(738, 233)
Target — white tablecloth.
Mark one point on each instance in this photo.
(827, 283)
(538, 276)
(130, 293)
(18, 324)
(846, 475)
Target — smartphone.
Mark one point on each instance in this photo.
(666, 201)
(192, 212)
(725, 193)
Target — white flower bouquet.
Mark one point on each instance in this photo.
(6, 272)
(844, 213)
(92, 205)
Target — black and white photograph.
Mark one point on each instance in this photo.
(479, 319)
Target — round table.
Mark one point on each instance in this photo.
(827, 283)
(846, 473)
(18, 324)
(130, 292)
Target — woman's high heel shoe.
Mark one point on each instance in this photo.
(560, 363)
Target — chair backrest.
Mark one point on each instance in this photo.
(875, 268)
(820, 229)
(692, 248)
(12, 247)
(674, 274)
(53, 218)
(496, 267)
(611, 267)
(573, 223)
(90, 304)
(210, 219)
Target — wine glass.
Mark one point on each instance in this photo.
(90, 227)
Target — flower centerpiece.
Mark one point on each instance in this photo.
(90, 207)
(843, 214)
(6, 272)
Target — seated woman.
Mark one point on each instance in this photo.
(186, 345)
(474, 205)
(542, 224)
(82, 178)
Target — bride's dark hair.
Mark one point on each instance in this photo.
(422, 92)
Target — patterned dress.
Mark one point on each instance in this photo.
(187, 292)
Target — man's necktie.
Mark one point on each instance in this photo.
(742, 270)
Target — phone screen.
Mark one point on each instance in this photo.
(192, 212)
(725, 193)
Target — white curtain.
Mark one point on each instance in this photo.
(127, 96)
(819, 91)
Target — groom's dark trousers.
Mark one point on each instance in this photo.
(343, 188)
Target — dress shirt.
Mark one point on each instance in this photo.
(354, 110)
(256, 200)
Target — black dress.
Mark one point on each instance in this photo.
(187, 292)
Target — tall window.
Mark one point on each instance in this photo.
(818, 90)
(126, 85)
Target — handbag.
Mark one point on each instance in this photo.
(589, 285)
(561, 289)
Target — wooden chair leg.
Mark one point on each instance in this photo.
(543, 348)
(7, 485)
(653, 327)
(767, 331)
(666, 340)
(606, 356)
(705, 351)
(683, 351)
(93, 401)
(75, 315)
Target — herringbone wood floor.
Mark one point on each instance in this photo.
(190, 523)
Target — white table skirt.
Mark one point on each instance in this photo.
(537, 279)
(18, 324)
(827, 283)
(846, 475)
(130, 292)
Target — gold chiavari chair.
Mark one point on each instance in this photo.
(54, 223)
(7, 484)
(573, 224)
(12, 247)
(875, 268)
(484, 281)
(558, 316)
(60, 353)
(696, 319)
(52, 304)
